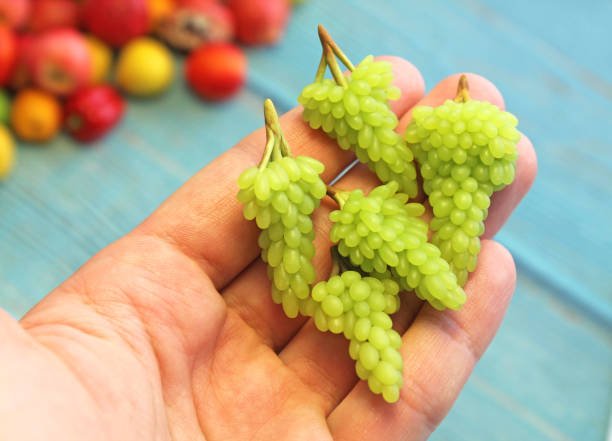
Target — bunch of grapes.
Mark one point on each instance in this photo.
(355, 111)
(281, 194)
(359, 307)
(383, 235)
(466, 150)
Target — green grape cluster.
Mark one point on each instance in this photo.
(281, 197)
(466, 151)
(359, 307)
(383, 234)
(359, 118)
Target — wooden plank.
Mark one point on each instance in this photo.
(546, 376)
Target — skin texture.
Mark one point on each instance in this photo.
(170, 333)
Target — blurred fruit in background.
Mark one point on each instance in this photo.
(260, 22)
(7, 152)
(5, 107)
(216, 71)
(194, 22)
(101, 59)
(50, 14)
(8, 53)
(116, 21)
(145, 67)
(35, 115)
(158, 9)
(56, 57)
(14, 13)
(92, 111)
(21, 75)
(60, 62)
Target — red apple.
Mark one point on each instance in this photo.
(61, 61)
(116, 21)
(216, 70)
(93, 111)
(8, 53)
(14, 13)
(22, 72)
(260, 22)
(195, 22)
(48, 14)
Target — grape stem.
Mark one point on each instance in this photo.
(274, 131)
(463, 90)
(334, 67)
(327, 40)
(328, 58)
(339, 196)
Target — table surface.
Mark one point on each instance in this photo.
(548, 374)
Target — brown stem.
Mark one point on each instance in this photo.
(327, 40)
(463, 90)
(339, 196)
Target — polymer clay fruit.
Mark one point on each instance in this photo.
(158, 10)
(35, 115)
(8, 53)
(260, 22)
(60, 61)
(92, 111)
(145, 67)
(195, 22)
(280, 194)
(22, 71)
(382, 234)
(466, 150)
(116, 21)
(101, 59)
(14, 13)
(7, 152)
(5, 107)
(216, 71)
(355, 111)
(359, 308)
(51, 14)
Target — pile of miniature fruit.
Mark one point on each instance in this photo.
(465, 150)
(58, 67)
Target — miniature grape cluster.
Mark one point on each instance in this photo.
(281, 194)
(466, 151)
(381, 233)
(358, 116)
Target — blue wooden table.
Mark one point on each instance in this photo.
(548, 374)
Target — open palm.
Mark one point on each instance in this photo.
(170, 332)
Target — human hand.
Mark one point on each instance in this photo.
(171, 333)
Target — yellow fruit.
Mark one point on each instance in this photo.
(101, 59)
(145, 67)
(7, 152)
(36, 115)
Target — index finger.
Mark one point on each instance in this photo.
(204, 219)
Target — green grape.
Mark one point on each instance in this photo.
(373, 344)
(383, 235)
(280, 198)
(466, 151)
(359, 118)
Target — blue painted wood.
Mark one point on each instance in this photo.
(548, 375)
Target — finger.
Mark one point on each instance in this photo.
(440, 350)
(505, 201)
(204, 219)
